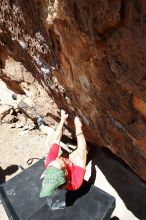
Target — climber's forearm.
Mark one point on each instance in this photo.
(58, 133)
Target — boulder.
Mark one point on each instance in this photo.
(4, 111)
(86, 56)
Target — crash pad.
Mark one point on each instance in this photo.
(20, 198)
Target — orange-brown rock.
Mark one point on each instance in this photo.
(140, 105)
(90, 57)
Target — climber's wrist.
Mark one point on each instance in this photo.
(79, 132)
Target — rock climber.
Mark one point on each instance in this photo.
(63, 172)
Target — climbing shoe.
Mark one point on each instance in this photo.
(40, 121)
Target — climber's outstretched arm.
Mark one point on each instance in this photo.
(58, 133)
(79, 156)
(81, 142)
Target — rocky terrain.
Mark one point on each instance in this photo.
(86, 56)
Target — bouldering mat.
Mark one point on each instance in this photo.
(20, 198)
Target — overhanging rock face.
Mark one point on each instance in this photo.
(90, 56)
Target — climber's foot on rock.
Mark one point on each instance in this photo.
(40, 121)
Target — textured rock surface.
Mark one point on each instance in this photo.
(90, 57)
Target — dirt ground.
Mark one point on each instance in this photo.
(16, 147)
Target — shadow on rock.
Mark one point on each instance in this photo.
(7, 172)
(72, 196)
(128, 185)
